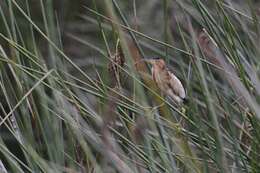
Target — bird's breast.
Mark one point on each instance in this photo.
(161, 79)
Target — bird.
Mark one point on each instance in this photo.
(116, 64)
(166, 81)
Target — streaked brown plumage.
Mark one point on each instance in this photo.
(168, 83)
(117, 61)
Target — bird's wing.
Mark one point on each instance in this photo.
(176, 85)
(153, 75)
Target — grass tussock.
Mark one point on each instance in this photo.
(75, 95)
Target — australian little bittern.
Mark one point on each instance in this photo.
(166, 81)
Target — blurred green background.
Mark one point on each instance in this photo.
(64, 109)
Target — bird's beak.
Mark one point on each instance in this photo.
(150, 61)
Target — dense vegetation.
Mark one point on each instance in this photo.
(75, 95)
